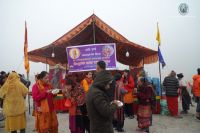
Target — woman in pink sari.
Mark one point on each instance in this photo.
(43, 98)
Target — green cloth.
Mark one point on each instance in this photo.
(59, 97)
(164, 107)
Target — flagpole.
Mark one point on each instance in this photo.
(160, 77)
(29, 103)
(26, 62)
(46, 63)
(159, 42)
(143, 62)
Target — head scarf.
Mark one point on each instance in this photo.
(102, 79)
(12, 80)
(13, 93)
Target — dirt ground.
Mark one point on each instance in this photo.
(161, 124)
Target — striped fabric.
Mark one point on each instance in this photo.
(171, 85)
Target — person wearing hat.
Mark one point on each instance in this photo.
(100, 109)
(185, 96)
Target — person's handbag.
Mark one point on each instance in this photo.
(68, 103)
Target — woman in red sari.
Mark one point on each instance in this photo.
(146, 101)
(46, 116)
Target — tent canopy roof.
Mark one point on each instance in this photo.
(84, 34)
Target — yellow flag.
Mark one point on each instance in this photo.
(158, 35)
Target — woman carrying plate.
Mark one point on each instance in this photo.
(42, 95)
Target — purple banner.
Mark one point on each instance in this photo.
(85, 57)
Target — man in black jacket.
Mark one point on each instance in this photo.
(100, 110)
(171, 85)
(101, 66)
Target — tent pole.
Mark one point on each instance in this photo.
(143, 62)
(46, 64)
(93, 27)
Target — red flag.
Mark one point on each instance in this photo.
(26, 61)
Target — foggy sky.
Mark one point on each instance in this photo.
(47, 20)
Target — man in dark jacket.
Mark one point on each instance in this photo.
(101, 66)
(171, 85)
(100, 110)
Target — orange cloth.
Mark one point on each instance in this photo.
(34, 113)
(26, 61)
(44, 103)
(86, 84)
(128, 97)
(196, 85)
(36, 123)
(46, 120)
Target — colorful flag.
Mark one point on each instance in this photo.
(26, 61)
(161, 60)
(158, 35)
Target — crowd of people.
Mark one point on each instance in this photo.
(93, 101)
(176, 87)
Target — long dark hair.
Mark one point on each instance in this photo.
(127, 78)
(198, 71)
(42, 75)
(144, 81)
(117, 76)
(70, 82)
